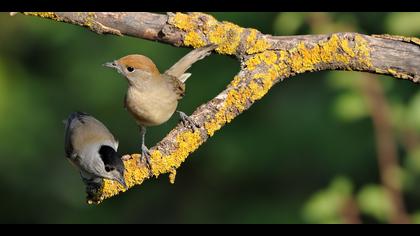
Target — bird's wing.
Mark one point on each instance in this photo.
(82, 129)
(69, 124)
(178, 69)
(176, 85)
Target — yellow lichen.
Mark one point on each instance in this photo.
(398, 74)
(392, 71)
(194, 39)
(215, 124)
(172, 176)
(133, 175)
(89, 20)
(380, 71)
(252, 36)
(303, 58)
(362, 51)
(395, 73)
(49, 15)
(201, 29)
(255, 45)
(276, 64)
(184, 22)
(235, 81)
(186, 141)
(399, 38)
(235, 103)
(267, 57)
(227, 36)
(346, 48)
(415, 40)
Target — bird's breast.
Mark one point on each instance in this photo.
(151, 107)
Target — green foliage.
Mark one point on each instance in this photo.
(413, 161)
(415, 218)
(412, 113)
(403, 23)
(326, 205)
(350, 106)
(288, 23)
(374, 201)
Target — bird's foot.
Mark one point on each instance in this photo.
(188, 122)
(145, 158)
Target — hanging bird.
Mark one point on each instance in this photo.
(93, 150)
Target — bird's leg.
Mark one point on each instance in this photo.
(188, 122)
(145, 154)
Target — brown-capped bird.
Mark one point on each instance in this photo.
(152, 97)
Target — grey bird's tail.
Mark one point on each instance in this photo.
(178, 69)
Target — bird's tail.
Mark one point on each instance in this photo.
(178, 69)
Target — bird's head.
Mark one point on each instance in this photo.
(114, 166)
(136, 68)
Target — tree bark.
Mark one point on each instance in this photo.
(265, 60)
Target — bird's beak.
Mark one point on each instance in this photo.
(122, 182)
(111, 65)
(114, 65)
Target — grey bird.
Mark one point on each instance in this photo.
(91, 147)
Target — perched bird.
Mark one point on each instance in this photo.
(153, 97)
(93, 150)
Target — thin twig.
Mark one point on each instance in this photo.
(386, 146)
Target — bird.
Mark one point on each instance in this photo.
(152, 97)
(92, 149)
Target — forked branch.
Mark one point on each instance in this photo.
(265, 60)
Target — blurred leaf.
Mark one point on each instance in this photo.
(412, 114)
(343, 79)
(348, 21)
(374, 201)
(403, 23)
(413, 160)
(325, 206)
(398, 117)
(350, 106)
(325, 23)
(342, 185)
(415, 218)
(288, 23)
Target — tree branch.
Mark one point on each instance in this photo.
(265, 60)
(386, 147)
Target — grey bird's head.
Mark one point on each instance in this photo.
(114, 166)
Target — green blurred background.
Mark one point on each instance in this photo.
(305, 153)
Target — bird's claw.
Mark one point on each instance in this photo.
(145, 158)
(188, 122)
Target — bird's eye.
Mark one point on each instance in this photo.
(130, 69)
(108, 168)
